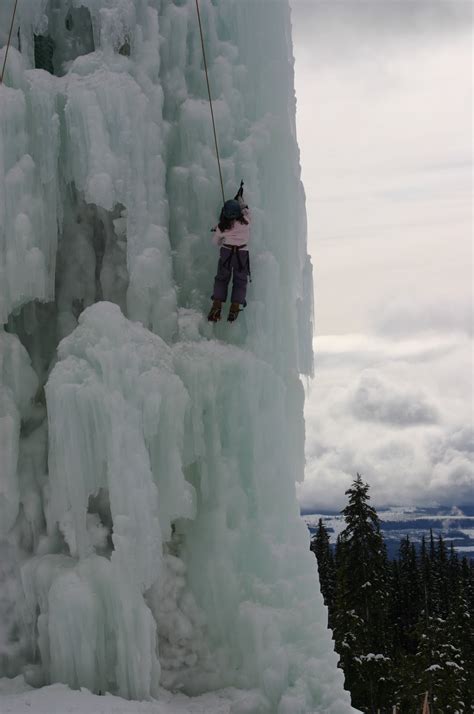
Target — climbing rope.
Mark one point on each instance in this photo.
(9, 41)
(210, 101)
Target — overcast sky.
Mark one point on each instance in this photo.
(384, 93)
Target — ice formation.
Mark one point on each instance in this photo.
(149, 531)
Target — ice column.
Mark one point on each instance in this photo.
(150, 530)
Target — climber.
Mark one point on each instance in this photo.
(232, 235)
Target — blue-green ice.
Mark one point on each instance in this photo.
(150, 537)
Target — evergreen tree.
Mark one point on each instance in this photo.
(320, 545)
(361, 618)
(404, 617)
(409, 596)
(443, 585)
(463, 612)
(400, 629)
(440, 667)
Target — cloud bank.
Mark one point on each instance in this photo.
(363, 23)
(377, 400)
(384, 98)
(397, 409)
(384, 90)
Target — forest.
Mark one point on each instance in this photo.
(403, 628)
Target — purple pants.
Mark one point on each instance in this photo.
(236, 262)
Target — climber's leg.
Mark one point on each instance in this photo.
(241, 275)
(222, 279)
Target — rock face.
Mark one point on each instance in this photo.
(149, 531)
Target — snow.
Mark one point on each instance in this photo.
(374, 657)
(151, 539)
(16, 698)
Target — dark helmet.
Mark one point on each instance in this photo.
(231, 209)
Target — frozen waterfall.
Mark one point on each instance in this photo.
(150, 536)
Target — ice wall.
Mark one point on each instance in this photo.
(149, 529)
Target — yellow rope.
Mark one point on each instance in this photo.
(210, 101)
(8, 43)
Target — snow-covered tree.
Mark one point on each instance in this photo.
(361, 618)
(439, 664)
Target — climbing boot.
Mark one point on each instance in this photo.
(233, 312)
(215, 311)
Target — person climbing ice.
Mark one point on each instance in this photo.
(232, 235)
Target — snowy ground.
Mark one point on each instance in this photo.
(17, 698)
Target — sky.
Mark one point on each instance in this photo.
(384, 121)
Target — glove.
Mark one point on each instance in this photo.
(240, 192)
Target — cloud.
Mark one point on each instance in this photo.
(399, 411)
(359, 25)
(386, 145)
(385, 128)
(375, 399)
(409, 317)
(462, 440)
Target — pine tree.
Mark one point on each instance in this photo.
(463, 625)
(361, 618)
(404, 617)
(400, 629)
(443, 585)
(409, 596)
(320, 545)
(440, 667)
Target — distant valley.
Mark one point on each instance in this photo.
(455, 524)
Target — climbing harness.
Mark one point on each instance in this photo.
(235, 250)
(9, 41)
(210, 101)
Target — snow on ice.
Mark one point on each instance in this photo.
(150, 537)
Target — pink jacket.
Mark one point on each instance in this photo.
(239, 234)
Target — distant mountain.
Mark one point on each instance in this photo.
(455, 524)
